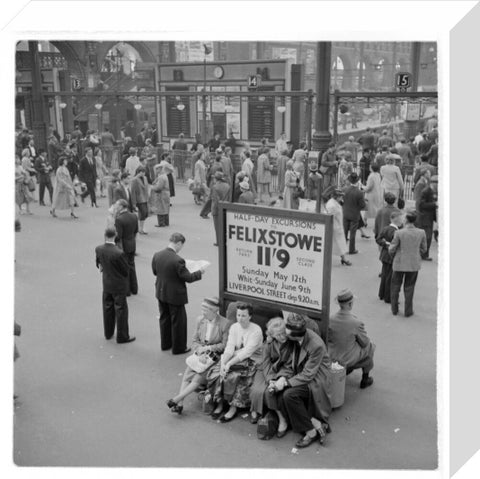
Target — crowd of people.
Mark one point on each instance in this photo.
(281, 370)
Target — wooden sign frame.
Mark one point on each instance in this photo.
(319, 313)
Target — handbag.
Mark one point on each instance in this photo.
(31, 184)
(298, 193)
(267, 426)
(195, 363)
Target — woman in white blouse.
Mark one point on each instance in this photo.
(229, 381)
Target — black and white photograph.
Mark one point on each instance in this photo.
(227, 253)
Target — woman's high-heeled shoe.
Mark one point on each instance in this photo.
(53, 214)
(346, 262)
(74, 216)
(178, 409)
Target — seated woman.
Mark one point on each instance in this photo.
(210, 338)
(276, 363)
(229, 381)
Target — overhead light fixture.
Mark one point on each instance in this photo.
(98, 106)
(207, 49)
(180, 106)
(261, 98)
(368, 111)
(62, 105)
(282, 108)
(137, 106)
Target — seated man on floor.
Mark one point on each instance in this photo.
(348, 343)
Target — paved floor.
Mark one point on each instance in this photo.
(84, 401)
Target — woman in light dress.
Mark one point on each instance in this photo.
(291, 183)
(63, 193)
(160, 195)
(373, 191)
(21, 187)
(392, 181)
(334, 207)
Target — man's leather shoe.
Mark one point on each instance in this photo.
(354, 252)
(427, 259)
(129, 340)
(281, 434)
(364, 383)
(407, 315)
(184, 352)
(108, 337)
(306, 441)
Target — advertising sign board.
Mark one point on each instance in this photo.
(276, 258)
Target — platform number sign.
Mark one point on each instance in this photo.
(403, 81)
(76, 84)
(252, 81)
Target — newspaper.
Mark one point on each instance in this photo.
(196, 265)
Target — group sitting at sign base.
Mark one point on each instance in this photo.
(274, 365)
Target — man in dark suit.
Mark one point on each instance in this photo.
(122, 191)
(384, 239)
(367, 140)
(348, 343)
(87, 172)
(126, 224)
(220, 192)
(408, 245)
(171, 293)
(111, 262)
(353, 203)
(43, 168)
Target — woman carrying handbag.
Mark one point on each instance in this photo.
(208, 342)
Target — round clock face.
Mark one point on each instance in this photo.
(218, 72)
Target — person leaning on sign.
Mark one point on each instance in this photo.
(348, 343)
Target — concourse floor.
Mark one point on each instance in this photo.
(85, 401)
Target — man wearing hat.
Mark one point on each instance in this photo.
(246, 196)
(408, 246)
(348, 343)
(220, 192)
(353, 204)
(304, 397)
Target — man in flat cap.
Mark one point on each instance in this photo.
(220, 192)
(348, 343)
(304, 397)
